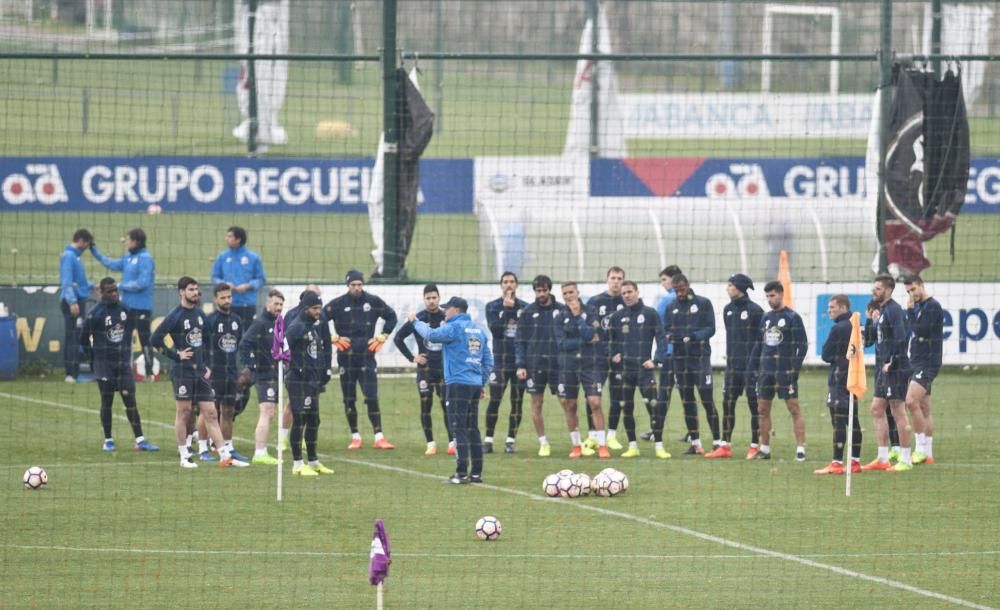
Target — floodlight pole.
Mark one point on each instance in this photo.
(885, 55)
(594, 11)
(391, 255)
(252, 80)
(936, 36)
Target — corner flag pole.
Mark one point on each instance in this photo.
(281, 356)
(857, 385)
(848, 450)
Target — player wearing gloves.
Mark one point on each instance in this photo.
(354, 316)
(308, 374)
(779, 352)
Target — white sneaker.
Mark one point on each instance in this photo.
(70, 379)
(242, 131)
(278, 136)
(188, 463)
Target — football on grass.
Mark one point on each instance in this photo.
(35, 477)
(488, 528)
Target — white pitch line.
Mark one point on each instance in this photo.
(540, 556)
(798, 559)
(94, 465)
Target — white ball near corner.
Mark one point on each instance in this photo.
(488, 528)
(153, 209)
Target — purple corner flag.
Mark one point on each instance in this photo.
(279, 342)
(378, 568)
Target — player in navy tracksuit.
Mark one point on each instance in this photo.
(110, 325)
(536, 353)
(467, 364)
(886, 329)
(185, 324)
(258, 367)
(605, 304)
(665, 355)
(308, 374)
(632, 331)
(501, 318)
(690, 323)
(223, 332)
(582, 362)
(838, 397)
(354, 315)
(926, 322)
(430, 366)
(780, 349)
(138, 278)
(742, 319)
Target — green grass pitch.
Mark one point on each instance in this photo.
(128, 529)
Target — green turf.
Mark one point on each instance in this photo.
(128, 529)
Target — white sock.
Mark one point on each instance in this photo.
(314, 462)
(574, 437)
(284, 433)
(633, 445)
(229, 444)
(296, 463)
(592, 434)
(509, 440)
(717, 443)
(799, 449)
(920, 441)
(183, 451)
(431, 445)
(189, 439)
(883, 454)
(599, 437)
(452, 444)
(929, 446)
(139, 439)
(896, 448)
(611, 434)
(260, 452)
(696, 442)
(765, 448)
(356, 436)
(754, 445)
(202, 446)
(488, 439)
(224, 453)
(659, 445)
(904, 456)
(378, 436)
(542, 440)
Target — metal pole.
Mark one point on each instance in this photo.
(438, 67)
(936, 36)
(885, 83)
(252, 79)
(594, 10)
(391, 263)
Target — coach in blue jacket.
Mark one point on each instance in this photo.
(138, 276)
(241, 268)
(74, 288)
(468, 361)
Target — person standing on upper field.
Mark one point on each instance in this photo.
(536, 353)
(886, 329)
(604, 305)
(138, 277)
(742, 319)
(689, 324)
(838, 397)
(501, 317)
(632, 333)
(926, 322)
(778, 354)
(241, 268)
(74, 288)
(354, 315)
(110, 326)
(430, 366)
(467, 364)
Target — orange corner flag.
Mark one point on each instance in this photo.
(785, 277)
(857, 382)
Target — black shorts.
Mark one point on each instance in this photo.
(838, 399)
(430, 380)
(642, 379)
(924, 376)
(115, 377)
(891, 385)
(191, 385)
(783, 383)
(570, 381)
(693, 373)
(303, 396)
(736, 382)
(267, 390)
(501, 376)
(225, 389)
(539, 378)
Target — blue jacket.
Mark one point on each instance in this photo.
(468, 359)
(73, 284)
(240, 266)
(835, 351)
(781, 342)
(890, 336)
(926, 320)
(138, 276)
(575, 339)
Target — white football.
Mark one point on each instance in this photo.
(584, 482)
(565, 472)
(565, 486)
(488, 528)
(617, 483)
(599, 485)
(35, 477)
(550, 485)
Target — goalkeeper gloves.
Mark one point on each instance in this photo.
(342, 343)
(376, 343)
